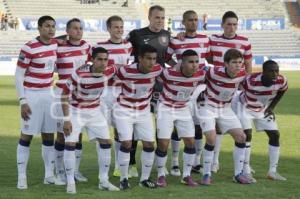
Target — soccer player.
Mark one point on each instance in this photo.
(200, 44)
(262, 92)
(71, 54)
(219, 44)
(156, 36)
(119, 54)
(34, 77)
(222, 83)
(173, 109)
(132, 113)
(80, 104)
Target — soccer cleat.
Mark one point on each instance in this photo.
(166, 171)
(108, 186)
(275, 176)
(22, 183)
(197, 169)
(175, 171)
(49, 180)
(188, 180)
(148, 184)
(133, 172)
(161, 181)
(60, 179)
(206, 180)
(124, 184)
(79, 177)
(71, 188)
(250, 177)
(215, 167)
(242, 179)
(117, 173)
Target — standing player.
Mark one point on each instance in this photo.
(173, 109)
(34, 77)
(71, 54)
(82, 94)
(132, 113)
(157, 37)
(222, 83)
(200, 44)
(262, 92)
(219, 44)
(119, 52)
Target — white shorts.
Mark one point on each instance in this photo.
(59, 113)
(43, 111)
(210, 116)
(246, 117)
(92, 120)
(108, 101)
(193, 103)
(138, 122)
(167, 117)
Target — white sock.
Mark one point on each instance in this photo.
(207, 161)
(198, 147)
(104, 159)
(246, 167)
(147, 159)
(238, 158)
(188, 160)
(175, 145)
(274, 152)
(217, 149)
(48, 155)
(23, 153)
(78, 153)
(123, 160)
(59, 158)
(160, 164)
(117, 148)
(69, 161)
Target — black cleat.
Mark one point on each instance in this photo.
(148, 184)
(124, 184)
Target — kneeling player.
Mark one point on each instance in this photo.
(262, 91)
(85, 86)
(173, 109)
(222, 83)
(132, 114)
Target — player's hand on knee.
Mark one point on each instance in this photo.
(269, 113)
(67, 128)
(25, 111)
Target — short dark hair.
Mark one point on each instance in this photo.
(146, 48)
(155, 7)
(187, 13)
(188, 53)
(71, 21)
(268, 64)
(232, 54)
(98, 50)
(111, 19)
(229, 14)
(44, 18)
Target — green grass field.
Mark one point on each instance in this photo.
(288, 116)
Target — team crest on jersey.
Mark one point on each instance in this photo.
(21, 56)
(164, 40)
(195, 84)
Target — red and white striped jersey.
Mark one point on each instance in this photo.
(220, 44)
(137, 87)
(258, 97)
(220, 88)
(39, 60)
(118, 53)
(85, 89)
(199, 43)
(69, 58)
(177, 88)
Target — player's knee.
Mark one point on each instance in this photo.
(148, 145)
(24, 143)
(26, 138)
(148, 149)
(48, 136)
(248, 133)
(60, 138)
(103, 141)
(162, 145)
(126, 145)
(189, 142)
(274, 137)
(240, 137)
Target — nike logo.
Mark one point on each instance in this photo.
(146, 40)
(148, 166)
(183, 46)
(67, 54)
(67, 169)
(41, 54)
(123, 165)
(21, 163)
